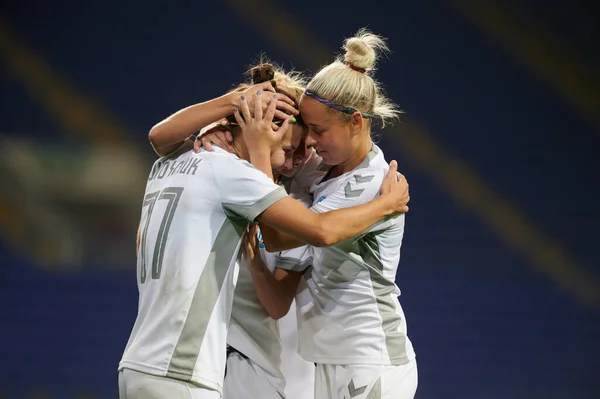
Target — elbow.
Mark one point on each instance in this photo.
(279, 313)
(154, 137)
(324, 236)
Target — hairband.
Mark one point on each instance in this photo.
(331, 104)
(358, 69)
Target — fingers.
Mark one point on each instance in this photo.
(285, 106)
(266, 86)
(392, 172)
(253, 230)
(198, 144)
(245, 111)
(271, 109)
(228, 137)
(280, 132)
(281, 115)
(258, 112)
(238, 117)
(206, 143)
(283, 98)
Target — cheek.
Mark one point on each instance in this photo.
(334, 142)
(277, 159)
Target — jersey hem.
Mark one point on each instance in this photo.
(160, 372)
(399, 361)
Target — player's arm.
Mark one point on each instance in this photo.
(293, 225)
(168, 135)
(275, 290)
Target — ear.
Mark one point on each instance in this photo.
(357, 122)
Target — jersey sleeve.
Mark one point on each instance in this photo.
(244, 190)
(359, 188)
(296, 259)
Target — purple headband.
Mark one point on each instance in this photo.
(331, 104)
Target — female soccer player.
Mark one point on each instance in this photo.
(352, 326)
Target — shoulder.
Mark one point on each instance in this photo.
(370, 173)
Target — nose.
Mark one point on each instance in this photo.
(310, 141)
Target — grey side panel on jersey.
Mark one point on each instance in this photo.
(205, 298)
(384, 290)
(251, 212)
(294, 264)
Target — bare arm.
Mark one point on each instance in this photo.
(340, 224)
(302, 226)
(276, 290)
(167, 135)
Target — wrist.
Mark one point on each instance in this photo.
(387, 204)
(232, 100)
(257, 268)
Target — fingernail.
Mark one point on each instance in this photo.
(274, 95)
(243, 98)
(258, 93)
(235, 109)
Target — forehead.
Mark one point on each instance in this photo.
(298, 133)
(313, 112)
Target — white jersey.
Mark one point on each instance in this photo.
(353, 315)
(272, 344)
(195, 212)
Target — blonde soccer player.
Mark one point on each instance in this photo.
(350, 319)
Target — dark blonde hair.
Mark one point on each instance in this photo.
(291, 84)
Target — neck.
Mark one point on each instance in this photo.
(364, 147)
(240, 148)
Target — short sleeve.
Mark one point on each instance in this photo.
(244, 190)
(296, 259)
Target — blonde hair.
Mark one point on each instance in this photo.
(347, 81)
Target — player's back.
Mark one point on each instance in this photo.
(192, 221)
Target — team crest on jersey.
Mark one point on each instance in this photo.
(321, 198)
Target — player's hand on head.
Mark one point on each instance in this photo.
(284, 107)
(257, 128)
(395, 186)
(215, 136)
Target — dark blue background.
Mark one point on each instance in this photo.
(486, 321)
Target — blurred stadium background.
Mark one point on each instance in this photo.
(500, 143)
